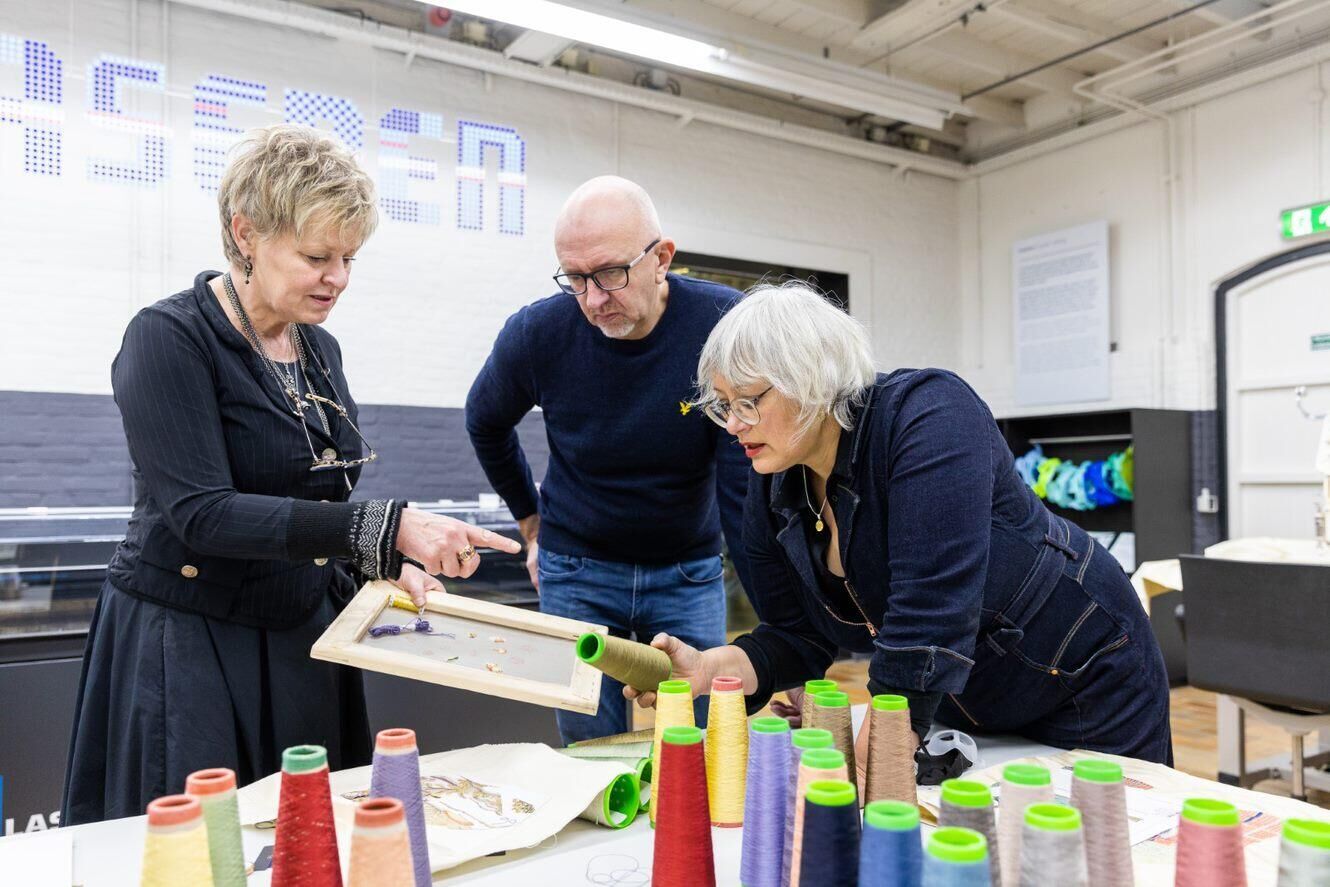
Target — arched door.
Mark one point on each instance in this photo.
(1272, 332)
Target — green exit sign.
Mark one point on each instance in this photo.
(1305, 220)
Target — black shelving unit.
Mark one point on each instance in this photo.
(1160, 514)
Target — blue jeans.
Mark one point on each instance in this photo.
(685, 599)
(1075, 667)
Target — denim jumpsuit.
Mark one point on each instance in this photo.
(958, 581)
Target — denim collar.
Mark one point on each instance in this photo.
(787, 488)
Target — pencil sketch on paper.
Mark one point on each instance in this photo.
(459, 802)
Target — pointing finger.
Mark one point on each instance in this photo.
(491, 539)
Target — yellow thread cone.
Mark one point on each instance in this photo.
(727, 752)
(175, 850)
(674, 708)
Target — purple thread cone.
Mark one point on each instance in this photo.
(765, 803)
(787, 838)
(396, 774)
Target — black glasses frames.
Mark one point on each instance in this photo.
(608, 279)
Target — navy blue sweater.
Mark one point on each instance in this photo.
(634, 474)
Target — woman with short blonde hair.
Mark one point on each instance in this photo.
(885, 516)
(244, 543)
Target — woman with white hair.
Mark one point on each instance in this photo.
(885, 516)
(244, 543)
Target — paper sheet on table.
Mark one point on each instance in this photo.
(1154, 798)
(479, 801)
(43, 859)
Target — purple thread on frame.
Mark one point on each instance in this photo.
(417, 624)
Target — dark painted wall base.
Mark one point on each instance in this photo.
(69, 449)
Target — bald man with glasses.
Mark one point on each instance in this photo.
(626, 529)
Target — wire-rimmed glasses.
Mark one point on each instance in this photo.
(322, 463)
(742, 408)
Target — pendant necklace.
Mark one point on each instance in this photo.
(819, 526)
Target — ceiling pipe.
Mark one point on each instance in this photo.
(293, 15)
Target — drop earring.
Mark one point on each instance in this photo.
(249, 269)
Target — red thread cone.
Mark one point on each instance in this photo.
(305, 850)
(683, 855)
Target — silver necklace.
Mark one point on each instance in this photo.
(286, 379)
(323, 417)
(817, 513)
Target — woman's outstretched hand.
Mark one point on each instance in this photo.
(689, 664)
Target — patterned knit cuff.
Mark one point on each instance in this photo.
(373, 538)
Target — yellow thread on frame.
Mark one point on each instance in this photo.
(404, 602)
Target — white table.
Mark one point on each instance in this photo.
(109, 854)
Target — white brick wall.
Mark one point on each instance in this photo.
(1239, 160)
(80, 257)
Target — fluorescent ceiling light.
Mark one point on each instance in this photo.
(581, 26)
(805, 77)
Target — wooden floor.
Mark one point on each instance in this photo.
(1195, 748)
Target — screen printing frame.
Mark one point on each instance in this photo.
(342, 643)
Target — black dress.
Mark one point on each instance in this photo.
(236, 559)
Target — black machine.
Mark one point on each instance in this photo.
(1258, 630)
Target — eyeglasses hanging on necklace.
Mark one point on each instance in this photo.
(289, 382)
(817, 513)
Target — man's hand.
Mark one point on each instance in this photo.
(533, 564)
(530, 530)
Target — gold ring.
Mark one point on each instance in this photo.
(466, 554)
